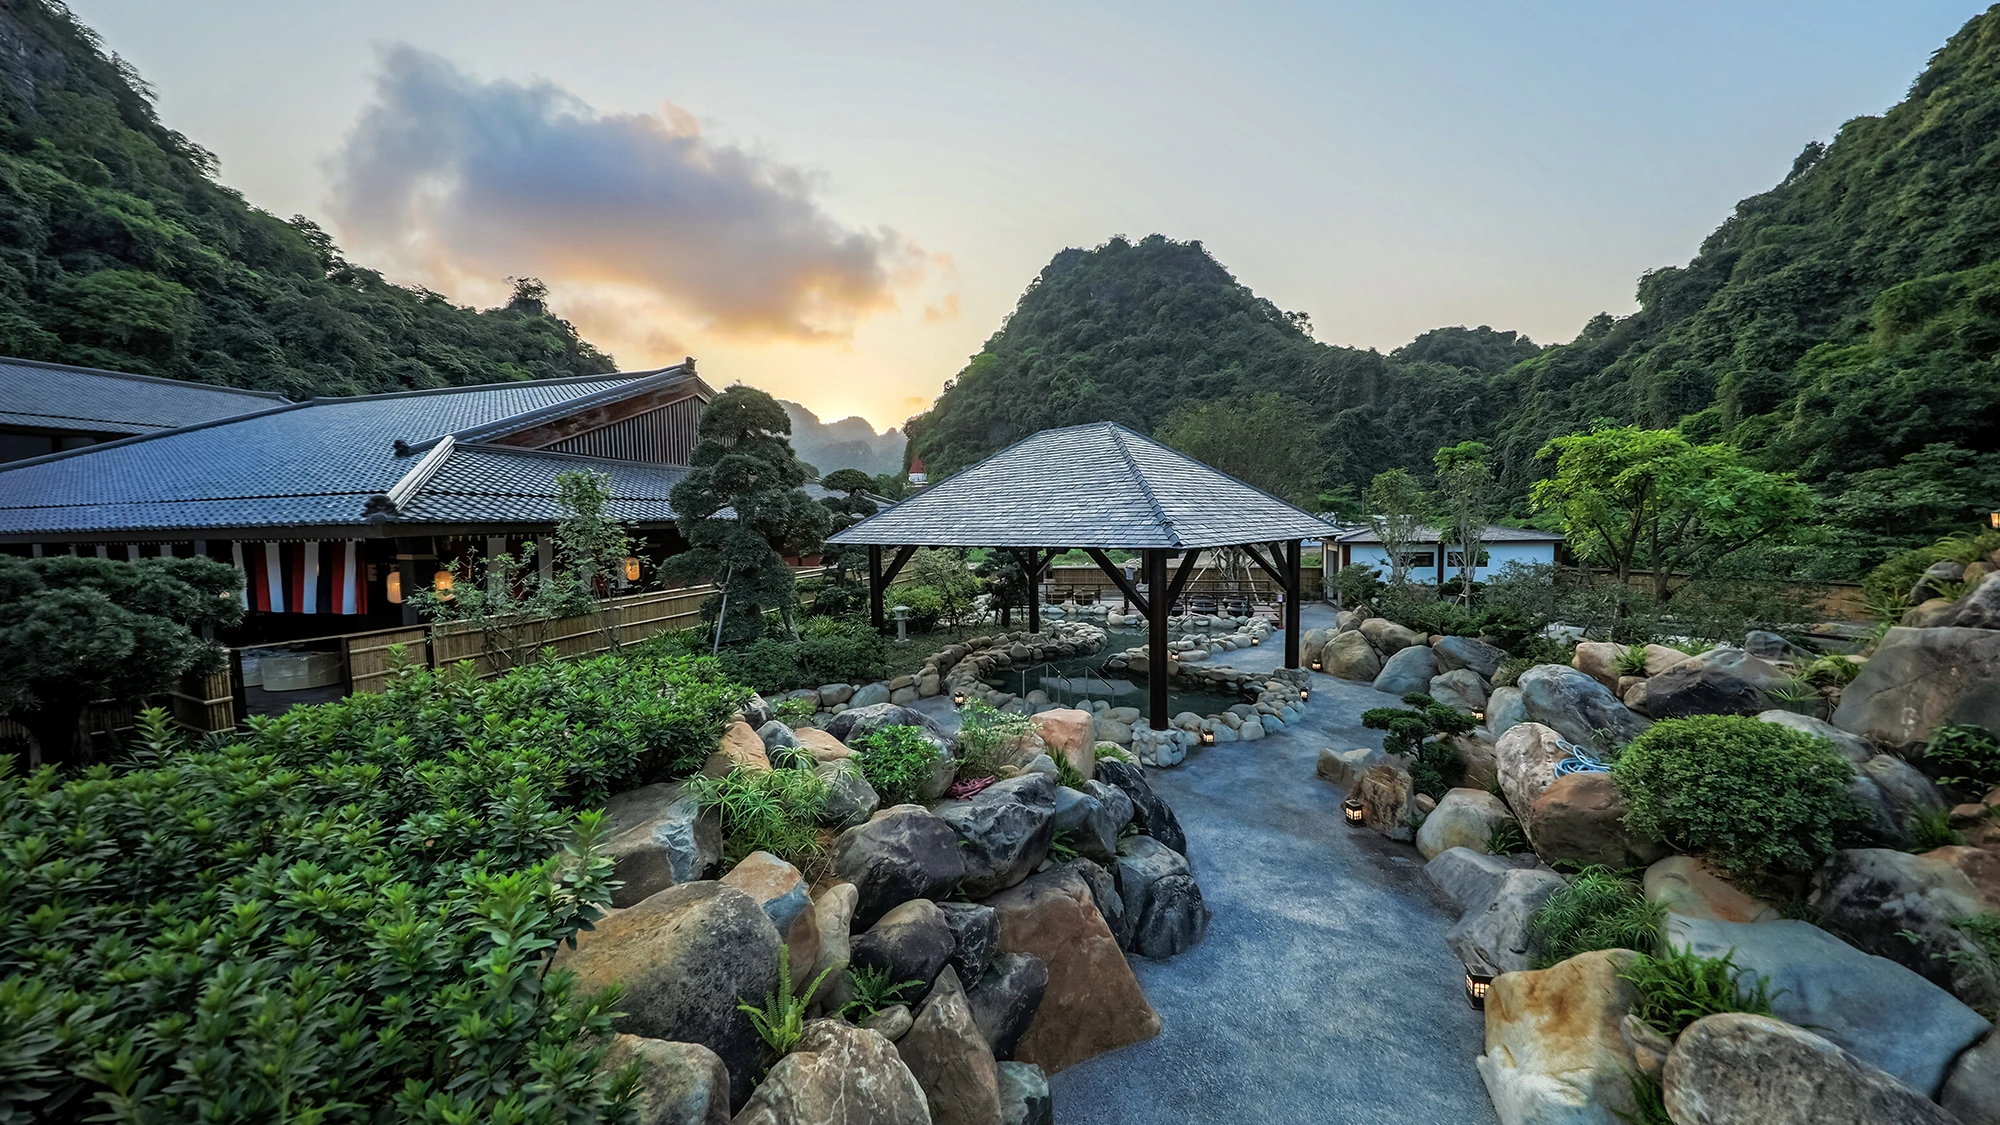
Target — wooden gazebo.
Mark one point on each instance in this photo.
(1098, 487)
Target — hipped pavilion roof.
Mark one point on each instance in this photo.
(1096, 485)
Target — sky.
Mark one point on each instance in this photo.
(840, 203)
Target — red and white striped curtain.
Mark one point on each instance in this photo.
(311, 577)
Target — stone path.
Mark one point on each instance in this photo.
(1324, 991)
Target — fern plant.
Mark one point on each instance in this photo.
(1682, 986)
(782, 1019)
(872, 990)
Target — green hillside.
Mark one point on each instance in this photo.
(118, 249)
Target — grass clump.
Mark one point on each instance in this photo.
(1505, 838)
(1931, 828)
(984, 731)
(1067, 774)
(1682, 986)
(1419, 732)
(1756, 798)
(1631, 660)
(1649, 1102)
(776, 811)
(897, 760)
(1598, 909)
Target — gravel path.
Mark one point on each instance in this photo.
(1324, 991)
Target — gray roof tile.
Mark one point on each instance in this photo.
(60, 397)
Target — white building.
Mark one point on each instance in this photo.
(1503, 546)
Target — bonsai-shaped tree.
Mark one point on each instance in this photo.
(1006, 582)
(742, 510)
(1420, 732)
(81, 630)
(845, 588)
(1397, 506)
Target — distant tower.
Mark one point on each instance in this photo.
(918, 478)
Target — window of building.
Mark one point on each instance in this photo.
(1456, 559)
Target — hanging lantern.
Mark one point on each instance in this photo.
(631, 569)
(1994, 519)
(1354, 811)
(395, 582)
(1477, 983)
(441, 582)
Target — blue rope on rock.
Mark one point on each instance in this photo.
(1578, 761)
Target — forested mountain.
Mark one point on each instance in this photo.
(1843, 325)
(118, 249)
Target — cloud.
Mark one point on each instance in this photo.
(463, 182)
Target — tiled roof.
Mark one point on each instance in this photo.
(308, 464)
(499, 484)
(57, 396)
(1096, 485)
(1494, 534)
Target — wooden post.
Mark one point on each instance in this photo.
(875, 588)
(1030, 561)
(1294, 608)
(1156, 637)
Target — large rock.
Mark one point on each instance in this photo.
(1387, 801)
(823, 746)
(1885, 1014)
(1599, 661)
(1345, 767)
(686, 957)
(1087, 824)
(740, 749)
(1904, 907)
(1920, 679)
(1686, 886)
(1454, 653)
(1853, 747)
(1070, 734)
(781, 891)
(1579, 819)
(1494, 932)
(1972, 1089)
(1461, 688)
(833, 914)
(1005, 830)
(1024, 1095)
(1470, 879)
(1464, 818)
(1149, 811)
(901, 854)
(1721, 681)
(850, 800)
(1978, 610)
(911, 942)
(1526, 757)
(953, 1064)
(975, 934)
(1350, 657)
(1733, 1068)
(1175, 920)
(679, 1083)
(657, 837)
(1475, 752)
(1005, 999)
(1143, 861)
(1554, 1051)
(1389, 637)
(838, 1074)
(1407, 670)
(1505, 709)
(1104, 892)
(869, 695)
(1092, 1004)
(777, 737)
(1577, 707)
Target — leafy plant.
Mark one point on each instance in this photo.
(1433, 760)
(1753, 796)
(795, 712)
(1104, 750)
(1357, 585)
(1631, 661)
(1679, 987)
(871, 990)
(1597, 909)
(1931, 828)
(1062, 849)
(897, 761)
(776, 811)
(782, 1019)
(1505, 838)
(1830, 671)
(1649, 1102)
(1964, 757)
(983, 731)
(1066, 774)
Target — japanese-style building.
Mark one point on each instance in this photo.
(332, 506)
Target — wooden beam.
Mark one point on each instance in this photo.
(896, 566)
(1294, 607)
(1117, 576)
(1267, 567)
(1156, 639)
(1181, 576)
(1030, 562)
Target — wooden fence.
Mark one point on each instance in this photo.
(1086, 584)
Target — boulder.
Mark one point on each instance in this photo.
(781, 891)
(911, 942)
(833, 913)
(1407, 670)
(1579, 819)
(1936, 577)
(1005, 999)
(1389, 637)
(1024, 1095)
(1891, 793)
(1577, 707)
(1599, 661)
(1904, 907)
(1152, 814)
(950, 1060)
(1071, 734)
(1082, 819)
(758, 711)
(1117, 806)
(1688, 887)
(1526, 757)
(1387, 797)
(824, 747)
(1494, 932)
(740, 749)
(1175, 920)
(686, 957)
(902, 853)
(1721, 681)
(1979, 609)
(1454, 653)
(1104, 893)
(1767, 645)
(679, 1083)
(839, 1075)
(1470, 879)
(1554, 1050)
(777, 738)
(1853, 747)
(833, 695)
(975, 934)
(1462, 689)
(1464, 818)
(1972, 1089)
(892, 1022)
(1920, 679)
(869, 695)
(1475, 750)
(658, 836)
(1734, 1067)
(1092, 1003)
(1005, 831)
(1349, 656)
(1504, 709)
(1888, 1016)
(1142, 862)
(1634, 697)
(1928, 614)
(850, 800)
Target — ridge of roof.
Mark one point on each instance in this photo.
(159, 380)
(1118, 432)
(642, 381)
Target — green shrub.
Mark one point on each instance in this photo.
(896, 760)
(833, 650)
(1356, 585)
(1682, 986)
(1965, 758)
(1434, 764)
(795, 712)
(1754, 797)
(926, 604)
(983, 730)
(1892, 580)
(1931, 828)
(776, 811)
(1597, 909)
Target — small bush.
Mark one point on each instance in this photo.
(1681, 987)
(776, 811)
(1931, 828)
(983, 730)
(1598, 909)
(1356, 585)
(927, 606)
(795, 712)
(1434, 764)
(1893, 579)
(1632, 660)
(833, 650)
(1505, 838)
(1965, 758)
(897, 761)
(1754, 797)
